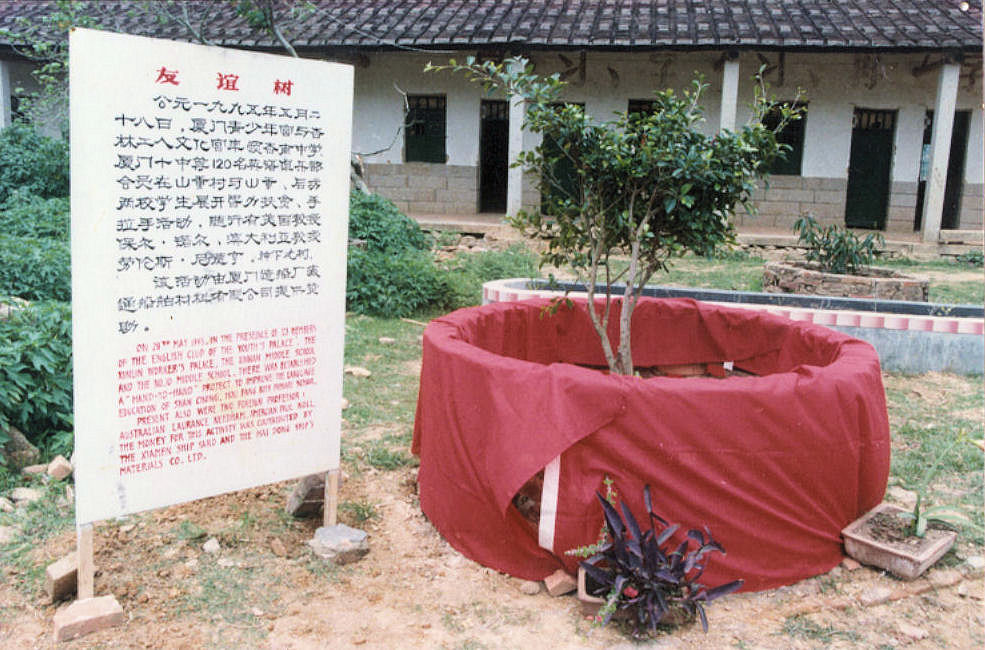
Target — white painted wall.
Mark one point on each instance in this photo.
(379, 110)
(835, 83)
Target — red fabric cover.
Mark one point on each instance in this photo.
(775, 465)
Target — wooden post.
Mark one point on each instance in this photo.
(86, 568)
(331, 509)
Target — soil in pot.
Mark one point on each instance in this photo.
(892, 530)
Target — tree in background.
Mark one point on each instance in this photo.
(649, 185)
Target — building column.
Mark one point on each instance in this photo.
(5, 91)
(940, 148)
(730, 92)
(514, 176)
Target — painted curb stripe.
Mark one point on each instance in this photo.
(495, 291)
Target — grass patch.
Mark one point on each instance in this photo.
(382, 455)
(943, 289)
(359, 512)
(230, 595)
(36, 523)
(189, 531)
(801, 627)
(389, 395)
(738, 270)
(927, 413)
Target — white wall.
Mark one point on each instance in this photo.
(378, 111)
(835, 85)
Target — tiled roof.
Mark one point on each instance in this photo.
(561, 24)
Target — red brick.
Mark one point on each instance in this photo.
(560, 583)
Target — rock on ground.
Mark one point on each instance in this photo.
(87, 616)
(27, 495)
(19, 451)
(340, 543)
(59, 468)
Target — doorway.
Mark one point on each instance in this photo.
(494, 143)
(869, 166)
(564, 184)
(955, 170)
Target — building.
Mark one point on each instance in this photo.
(876, 74)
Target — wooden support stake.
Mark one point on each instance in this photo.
(87, 567)
(331, 509)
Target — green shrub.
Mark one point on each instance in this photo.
(378, 223)
(836, 249)
(393, 285)
(974, 257)
(35, 268)
(468, 271)
(29, 215)
(33, 162)
(36, 374)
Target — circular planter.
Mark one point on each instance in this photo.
(807, 278)
(775, 462)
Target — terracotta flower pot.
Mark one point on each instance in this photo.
(590, 606)
(906, 561)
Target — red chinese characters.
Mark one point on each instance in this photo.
(165, 76)
(227, 81)
(283, 87)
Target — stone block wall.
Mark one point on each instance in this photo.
(427, 188)
(788, 197)
(902, 211)
(972, 206)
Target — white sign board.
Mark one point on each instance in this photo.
(210, 192)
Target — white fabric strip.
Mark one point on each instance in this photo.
(548, 504)
(729, 365)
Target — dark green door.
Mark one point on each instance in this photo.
(869, 165)
(494, 124)
(955, 170)
(563, 181)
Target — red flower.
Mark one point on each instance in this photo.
(630, 592)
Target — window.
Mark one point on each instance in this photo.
(793, 135)
(424, 132)
(642, 106)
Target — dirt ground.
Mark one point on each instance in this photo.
(264, 588)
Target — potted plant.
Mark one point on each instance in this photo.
(839, 263)
(642, 577)
(906, 542)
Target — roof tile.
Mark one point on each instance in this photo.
(620, 24)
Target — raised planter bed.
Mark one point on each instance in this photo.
(776, 462)
(909, 336)
(808, 278)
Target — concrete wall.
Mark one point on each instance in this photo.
(425, 188)
(835, 85)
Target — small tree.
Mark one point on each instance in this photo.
(648, 185)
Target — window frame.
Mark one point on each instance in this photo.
(426, 129)
(793, 135)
